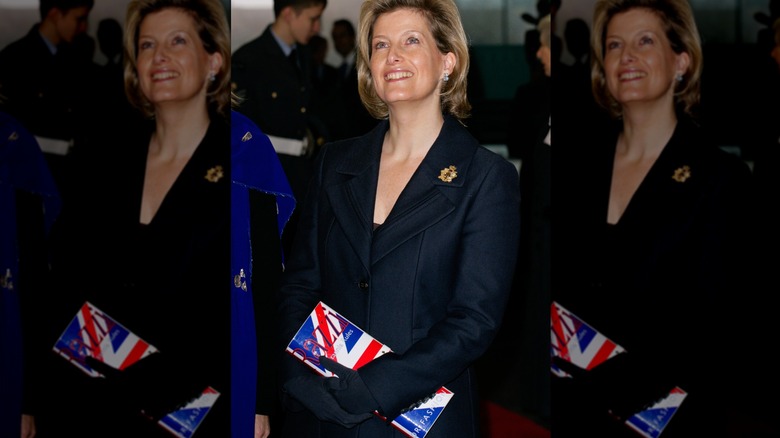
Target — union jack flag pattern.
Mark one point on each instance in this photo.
(92, 333)
(183, 422)
(580, 344)
(327, 333)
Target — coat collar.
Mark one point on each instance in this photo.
(425, 200)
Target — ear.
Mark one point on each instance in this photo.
(449, 62)
(682, 63)
(215, 62)
(55, 14)
(287, 12)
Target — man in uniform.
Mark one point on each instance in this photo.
(41, 79)
(272, 78)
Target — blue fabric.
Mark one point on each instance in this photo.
(255, 166)
(22, 167)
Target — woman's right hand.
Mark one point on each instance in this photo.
(311, 392)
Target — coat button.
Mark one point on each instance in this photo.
(363, 285)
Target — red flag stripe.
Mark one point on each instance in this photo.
(370, 353)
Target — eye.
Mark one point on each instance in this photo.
(413, 40)
(646, 40)
(179, 40)
(612, 45)
(380, 45)
(145, 45)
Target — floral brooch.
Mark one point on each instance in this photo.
(682, 174)
(214, 174)
(448, 174)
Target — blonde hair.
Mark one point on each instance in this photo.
(444, 22)
(210, 22)
(544, 30)
(677, 19)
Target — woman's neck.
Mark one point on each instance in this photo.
(646, 130)
(178, 131)
(412, 133)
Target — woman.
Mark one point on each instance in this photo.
(146, 239)
(410, 232)
(660, 238)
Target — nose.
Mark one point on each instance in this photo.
(393, 55)
(160, 53)
(627, 54)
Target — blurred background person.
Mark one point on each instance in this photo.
(30, 202)
(272, 77)
(657, 231)
(353, 118)
(43, 81)
(380, 209)
(261, 204)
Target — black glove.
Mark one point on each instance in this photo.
(620, 385)
(151, 386)
(310, 391)
(348, 389)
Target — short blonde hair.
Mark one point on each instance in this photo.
(211, 23)
(444, 22)
(677, 18)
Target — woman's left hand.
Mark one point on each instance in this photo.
(348, 388)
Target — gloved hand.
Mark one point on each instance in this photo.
(311, 392)
(620, 385)
(348, 388)
(151, 386)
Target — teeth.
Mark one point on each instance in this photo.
(398, 75)
(165, 75)
(632, 75)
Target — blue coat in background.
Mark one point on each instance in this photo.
(23, 169)
(255, 167)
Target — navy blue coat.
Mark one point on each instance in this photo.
(431, 282)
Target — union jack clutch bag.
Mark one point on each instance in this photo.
(579, 343)
(93, 333)
(327, 333)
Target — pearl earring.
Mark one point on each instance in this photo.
(446, 77)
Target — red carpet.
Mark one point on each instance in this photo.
(499, 422)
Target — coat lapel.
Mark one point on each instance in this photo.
(353, 199)
(426, 199)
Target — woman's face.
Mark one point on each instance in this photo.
(405, 63)
(639, 63)
(172, 64)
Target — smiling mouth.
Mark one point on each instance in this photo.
(632, 75)
(398, 75)
(164, 75)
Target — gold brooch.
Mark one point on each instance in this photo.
(682, 174)
(247, 136)
(240, 280)
(214, 174)
(6, 282)
(448, 174)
